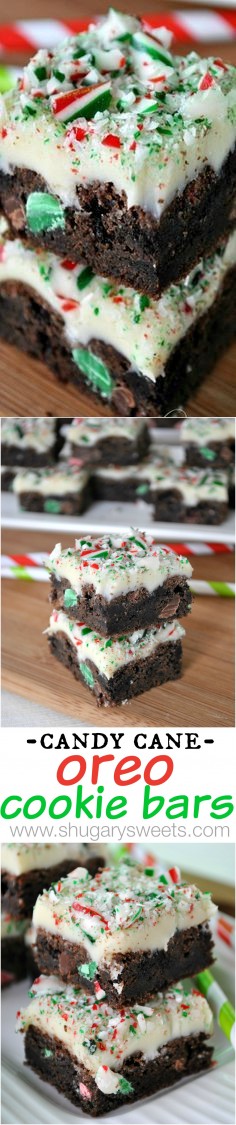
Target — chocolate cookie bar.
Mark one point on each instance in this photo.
(177, 494)
(209, 442)
(138, 355)
(29, 441)
(27, 869)
(118, 151)
(123, 932)
(100, 1058)
(119, 668)
(114, 584)
(63, 489)
(13, 951)
(99, 442)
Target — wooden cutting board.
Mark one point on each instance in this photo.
(204, 694)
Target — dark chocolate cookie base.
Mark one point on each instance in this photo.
(122, 614)
(13, 957)
(128, 243)
(223, 453)
(19, 892)
(135, 678)
(72, 503)
(7, 478)
(144, 973)
(170, 507)
(29, 323)
(53, 1062)
(120, 450)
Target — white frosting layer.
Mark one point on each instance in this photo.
(161, 475)
(89, 431)
(13, 927)
(145, 331)
(202, 431)
(110, 655)
(171, 116)
(120, 911)
(100, 1037)
(19, 858)
(114, 566)
(29, 433)
(57, 481)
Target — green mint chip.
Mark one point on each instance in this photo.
(84, 277)
(209, 454)
(87, 674)
(142, 489)
(88, 970)
(125, 1086)
(95, 370)
(44, 212)
(52, 506)
(70, 598)
(46, 1053)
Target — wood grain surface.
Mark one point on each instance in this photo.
(28, 387)
(203, 696)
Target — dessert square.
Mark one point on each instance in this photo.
(177, 494)
(118, 668)
(136, 354)
(64, 488)
(124, 932)
(27, 869)
(100, 1058)
(115, 149)
(99, 442)
(209, 442)
(115, 584)
(29, 441)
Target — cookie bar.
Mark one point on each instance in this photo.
(99, 442)
(208, 442)
(136, 354)
(115, 149)
(100, 1058)
(29, 441)
(27, 869)
(119, 668)
(13, 952)
(123, 932)
(177, 494)
(114, 584)
(64, 488)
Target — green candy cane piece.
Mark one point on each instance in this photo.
(87, 674)
(88, 970)
(70, 598)
(125, 1086)
(209, 454)
(95, 370)
(44, 212)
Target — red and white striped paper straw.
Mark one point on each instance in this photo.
(216, 24)
(226, 931)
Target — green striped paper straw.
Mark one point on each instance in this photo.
(224, 589)
(8, 78)
(221, 1006)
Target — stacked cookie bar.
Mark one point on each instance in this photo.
(210, 443)
(114, 1024)
(118, 184)
(25, 871)
(115, 622)
(31, 467)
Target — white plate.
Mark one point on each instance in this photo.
(106, 515)
(207, 1100)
